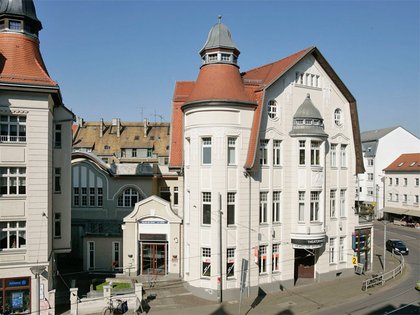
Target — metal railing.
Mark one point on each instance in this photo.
(384, 277)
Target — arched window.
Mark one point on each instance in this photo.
(128, 198)
(338, 117)
(272, 109)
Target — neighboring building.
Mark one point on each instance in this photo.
(35, 149)
(104, 194)
(402, 189)
(124, 142)
(268, 158)
(380, 148)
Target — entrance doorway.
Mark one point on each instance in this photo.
(304, 264)
(153, 258)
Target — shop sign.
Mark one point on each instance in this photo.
(308, 243)
(10, 283)
(153, 221)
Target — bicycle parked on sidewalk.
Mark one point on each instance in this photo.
(115, 307)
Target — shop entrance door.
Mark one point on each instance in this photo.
(153, 258)
(304, 264)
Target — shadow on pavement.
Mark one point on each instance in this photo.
(403, 309)
(261, 295)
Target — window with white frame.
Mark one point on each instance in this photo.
(91, 255)
(12, 235)
(12, 180)
(230, 208)
(332, 250)
(226, 57)
(417, 182)
(92, 196)
(263, 152)
(57, 135)
(315, 205)
(12, 128)
(416, 199)
(128, 198)
(206, 262)
(206, 151)
(390, 197)
(57, 180)
(263, 207)
(165, 193)
(272, 109)
(390, 181)
(370, 191)
(302, 152)
(341, 249)
(370, 176)
(301, 211)
(133, 152)
(231, 151)
(275, 261)
(333, 196)
(100, 196)
(342, 203)
(276, 152)
(397, 197)
(262, 259)
(405, 181)
(370, 162)
(315, 153)
(76, 196)
(338, 117)
(84, 197)
(397, 181)
(230, 263)
(333, 155)
(206, 208)
(343, 155)
(276, 206)
(212, 57)
(115, 254)
(405, 198)
(57, 225)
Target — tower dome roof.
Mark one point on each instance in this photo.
(219, 37)
(308, 121)
(20, 8)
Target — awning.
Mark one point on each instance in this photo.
(413, 213)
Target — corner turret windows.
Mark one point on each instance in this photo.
(15, 25)
(272, 109)
(206, 151)
(338, 117)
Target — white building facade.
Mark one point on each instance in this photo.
(268, 158)
(380, 148)
(35, 148)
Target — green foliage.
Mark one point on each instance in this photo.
(116, 286)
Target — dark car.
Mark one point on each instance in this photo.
(396, 246)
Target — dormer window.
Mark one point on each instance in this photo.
(15, 25)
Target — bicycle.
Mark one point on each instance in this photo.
(111, 309)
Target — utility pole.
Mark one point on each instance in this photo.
(385, 222)
(220, 248)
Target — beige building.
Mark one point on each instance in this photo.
(35, 149)
(269, 158)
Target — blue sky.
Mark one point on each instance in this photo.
(122, 58)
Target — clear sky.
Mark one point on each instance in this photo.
(121, 59)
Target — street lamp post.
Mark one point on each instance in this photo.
(385, 222)
(37, 271)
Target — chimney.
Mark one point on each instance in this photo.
(145, 125)
(101, 128)
(118, 127)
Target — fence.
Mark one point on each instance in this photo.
(382, 278)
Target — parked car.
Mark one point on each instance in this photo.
(397, 246)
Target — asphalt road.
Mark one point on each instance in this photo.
(400, 298)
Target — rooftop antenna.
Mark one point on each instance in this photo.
(141, 111)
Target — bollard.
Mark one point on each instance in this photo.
(107, 292)
(51, 302)
(138, 291)
(74, 301)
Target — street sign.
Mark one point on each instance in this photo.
(354, 260)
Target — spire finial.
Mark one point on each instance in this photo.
(220, 19)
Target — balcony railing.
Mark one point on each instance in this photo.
(7, 138)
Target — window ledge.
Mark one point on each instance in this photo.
(333, 264)
(12, 251)
(11, 197)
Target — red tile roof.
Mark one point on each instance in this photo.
(219, 82)
(21, 61)
(409, 162)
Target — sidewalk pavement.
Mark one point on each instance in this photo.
(303, 299)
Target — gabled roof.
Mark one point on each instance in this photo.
(255, 81)
(375, 135)
(21, 61)
(408, 162)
